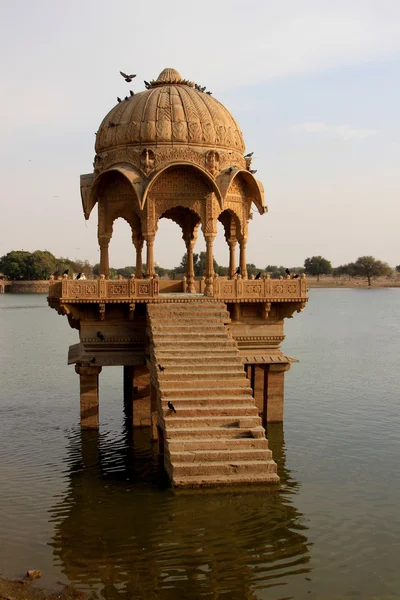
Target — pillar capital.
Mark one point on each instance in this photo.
(87, 370)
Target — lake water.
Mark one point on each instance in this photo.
(89, 508)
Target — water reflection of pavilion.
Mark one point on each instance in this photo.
(115, 532)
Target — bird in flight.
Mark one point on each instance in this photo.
(100, 336)
(249, 155)
(161, 367)
(128, 78)
(171, 406)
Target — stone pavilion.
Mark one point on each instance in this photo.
(210, 345)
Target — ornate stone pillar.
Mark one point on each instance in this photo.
(209, 291)
(139, 264)
(89, 395)
(232, 256)
(243, 268)
(150, 254)
(104, 259)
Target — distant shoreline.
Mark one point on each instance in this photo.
(335, 282)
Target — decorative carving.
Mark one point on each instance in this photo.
(102, 311)
(212, 162)
(118, 289)
(147, 160)
(227, 288)
(131, 311)
(143, 289)
(253, 289)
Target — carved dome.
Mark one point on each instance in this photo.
(171, 110)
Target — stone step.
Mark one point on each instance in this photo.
(195, 481)
(196, 312)
(191, 393)
(190, 327)
(219, 401)
(182, 368)
(224, 422)
(204, 345)
(225, 455)
(203, 412)
(223, 351)
(184, 318)
(220, 468)
(218, 444)
(168, 337)
(169, 383)
(184, 374)
(201, 362)
(188, 306)
(213, 433)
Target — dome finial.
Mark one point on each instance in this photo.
(169, 76)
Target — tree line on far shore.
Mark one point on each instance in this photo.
(41, 264)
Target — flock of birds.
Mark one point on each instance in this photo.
(148, 84)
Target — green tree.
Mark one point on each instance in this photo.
(15, 264)
(317, 265)
(126, 272)
(368, 266)
(199, 264)
(398, 268)
(349, 270)
(20, 264)
(274, 271)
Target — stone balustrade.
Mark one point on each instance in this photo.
(108, 290)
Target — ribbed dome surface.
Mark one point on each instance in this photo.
(171, 111)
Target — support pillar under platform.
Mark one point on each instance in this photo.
(89, 395)
(268, 383)
(129, 374)
(137, 395)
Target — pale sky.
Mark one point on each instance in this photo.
(314, 86)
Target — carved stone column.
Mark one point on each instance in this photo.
(89, 395)
(243, 268)
(150, 254)
(139, 264)
(232, 256)
(104, 259)
(209, 291)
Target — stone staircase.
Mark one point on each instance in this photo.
(215, 437)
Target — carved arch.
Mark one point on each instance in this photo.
(90, 191)
(255, 187)
(174, 165)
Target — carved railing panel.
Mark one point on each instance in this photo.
(106, 290)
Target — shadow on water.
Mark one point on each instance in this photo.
(117, 532)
